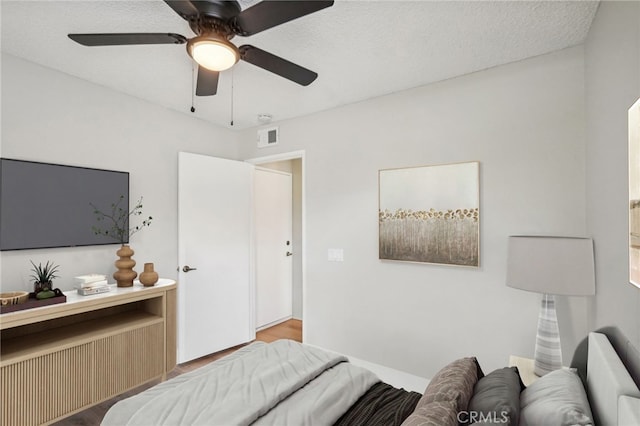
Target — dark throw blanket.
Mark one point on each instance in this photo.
(381, 405)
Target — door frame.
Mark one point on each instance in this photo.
(295, 155)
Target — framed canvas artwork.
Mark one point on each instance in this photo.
(430, 214)
(634, 194)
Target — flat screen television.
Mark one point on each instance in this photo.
(46, 205)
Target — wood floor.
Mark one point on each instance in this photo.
(291, 329)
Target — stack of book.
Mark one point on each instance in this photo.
(91, 284)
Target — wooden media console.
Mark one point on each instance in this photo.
(60, 359)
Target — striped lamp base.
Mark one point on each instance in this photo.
(548, 354)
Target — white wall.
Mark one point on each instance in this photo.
(524, 122)
(52, 117)
(612, 71)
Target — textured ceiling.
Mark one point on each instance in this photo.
(360, 49)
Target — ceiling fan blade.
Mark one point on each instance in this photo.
(207, 84)
(184, 8)
(277, 65)
(127, 38)
(268, 14)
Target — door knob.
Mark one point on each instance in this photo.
(289, 253)
(187, 268)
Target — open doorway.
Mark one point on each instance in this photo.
(293, 163)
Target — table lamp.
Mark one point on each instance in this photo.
(551, 266)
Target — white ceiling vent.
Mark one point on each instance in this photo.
(267, 137)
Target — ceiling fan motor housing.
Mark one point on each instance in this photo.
(223, 10)
(204, 24)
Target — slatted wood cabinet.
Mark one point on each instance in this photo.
(60, 359)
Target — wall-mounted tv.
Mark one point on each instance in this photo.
(46, 205)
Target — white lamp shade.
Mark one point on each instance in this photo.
(551, 265)
(213, 52)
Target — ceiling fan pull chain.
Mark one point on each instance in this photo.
(193, 88)
(231, 97)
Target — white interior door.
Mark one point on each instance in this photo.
(274, 246)
(215, 230)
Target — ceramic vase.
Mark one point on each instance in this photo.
(125, 274)
(149, 277)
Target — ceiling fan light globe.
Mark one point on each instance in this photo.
(213, 53)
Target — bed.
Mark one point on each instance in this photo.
(288, 383)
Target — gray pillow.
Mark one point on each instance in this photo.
(496, 398)
(557, 398)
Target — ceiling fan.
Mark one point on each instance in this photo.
(215, 23)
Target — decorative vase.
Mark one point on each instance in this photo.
(149, 277)
(125, 274)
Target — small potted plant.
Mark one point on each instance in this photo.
(43, 279)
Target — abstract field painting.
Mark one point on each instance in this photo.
(634, 194)
(430, 214)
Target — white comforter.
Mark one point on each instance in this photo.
(283, 382)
